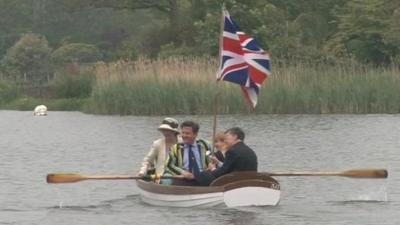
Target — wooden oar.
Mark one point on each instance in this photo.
(56, 178)
(356, 173)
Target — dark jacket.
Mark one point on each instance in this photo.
(238, 158)
(219, 156)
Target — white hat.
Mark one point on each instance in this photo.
(169, 124)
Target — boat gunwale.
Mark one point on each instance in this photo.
(251, 183)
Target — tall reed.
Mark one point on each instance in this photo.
(188, 86)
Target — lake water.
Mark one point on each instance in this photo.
(32, 147)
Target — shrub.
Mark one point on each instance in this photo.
(8, 92)
(72, 86)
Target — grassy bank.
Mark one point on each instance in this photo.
(187, 86)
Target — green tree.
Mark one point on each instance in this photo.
(169, 7)
(28, 59)
(76, 52)
(15, 19)
(392, 35)
(289, 29)
(303, 29)
(176, 19)
(362, 27)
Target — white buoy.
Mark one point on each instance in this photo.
(40, 110)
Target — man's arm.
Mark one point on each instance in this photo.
(228, 165)
(170, 164)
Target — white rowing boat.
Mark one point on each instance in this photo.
(233, 190)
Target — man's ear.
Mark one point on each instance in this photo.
(235, 135)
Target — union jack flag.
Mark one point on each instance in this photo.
(242, 60)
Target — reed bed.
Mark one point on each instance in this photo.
(188, 86)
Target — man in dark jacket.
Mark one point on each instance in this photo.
(239, 157)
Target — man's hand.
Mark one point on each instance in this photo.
(214, 160)
(212, 166)
(188, 175)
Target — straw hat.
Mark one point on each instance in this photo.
(169, 124)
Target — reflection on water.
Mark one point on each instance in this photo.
(32, 147)
(82, 207)
(371, 194)
(238, 217)
(359, 201)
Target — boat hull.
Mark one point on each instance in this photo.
(232, 190)
(251, 196)
(196, 200)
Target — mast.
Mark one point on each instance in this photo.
(216, 96)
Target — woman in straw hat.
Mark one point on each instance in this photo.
(160, 148)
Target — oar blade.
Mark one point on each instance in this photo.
(366, 173)
(56, 178)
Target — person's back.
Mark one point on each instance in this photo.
(246, 158)
(239, 157)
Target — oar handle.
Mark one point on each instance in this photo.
(116, 177)
(127, 177)
(56, 178)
